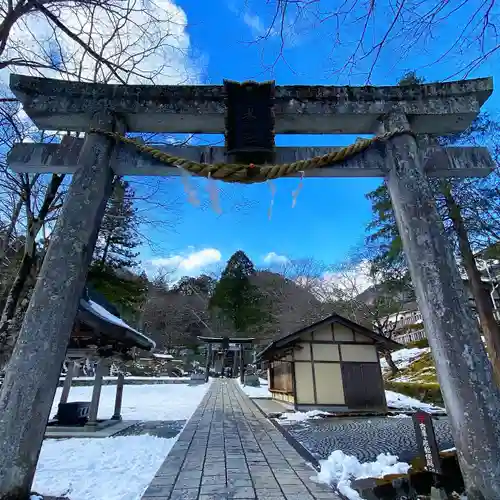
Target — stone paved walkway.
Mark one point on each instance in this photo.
(229, 450)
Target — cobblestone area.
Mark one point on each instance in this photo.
(162, 429)
(229, 450)
(365, 438)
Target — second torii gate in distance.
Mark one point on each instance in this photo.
(224, 343)
(405, 159)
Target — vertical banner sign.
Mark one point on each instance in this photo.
(426, 441)
(250, 121)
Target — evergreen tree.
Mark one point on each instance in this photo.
(238, 300)
(118, 234)
(114, 256)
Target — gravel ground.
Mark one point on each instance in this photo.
(365, 437)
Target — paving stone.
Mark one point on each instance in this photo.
(239, 483)
(187, 483)
(190, 474)
(220, 479)
(243, 492)
(163, 481)
(266, 494)
(213, 489)
(288, 479)
(157, 491)
(214, 497)
(185, 494)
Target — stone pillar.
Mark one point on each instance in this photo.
(33, 373)
(117, 415)
(72, 370)
(235, 363)
(471, 397)
(101, 370)
(208, 359)
(242, 363)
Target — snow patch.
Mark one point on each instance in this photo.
(256, 392)
(404, 357)
(339, 470)
(301, 416)
(88, 469)
(112, 377)
(143, 402)
(399, 401)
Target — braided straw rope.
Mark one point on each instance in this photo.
(248, 174)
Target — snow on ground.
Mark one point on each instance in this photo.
(90, 469)
(131, 378)
(404, 357)
(256, 392)
(340, 469)
(118, 468)
(143, 402)
(399, 401)
(301, 416)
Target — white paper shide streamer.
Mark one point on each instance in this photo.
(295, 193)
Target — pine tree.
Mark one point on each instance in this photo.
(235, 297)
(118, 235)
(114, 256)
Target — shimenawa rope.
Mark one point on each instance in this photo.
(248, 174)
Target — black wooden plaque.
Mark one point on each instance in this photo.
(250, 121)
(426, 441)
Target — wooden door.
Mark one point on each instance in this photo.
(363, 386)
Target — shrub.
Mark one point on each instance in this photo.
(419, 343)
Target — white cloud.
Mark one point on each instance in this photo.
(353, 280)
(254, 22)
(161, 24)
(188, 264)
(272, 258)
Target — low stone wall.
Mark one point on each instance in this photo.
(89, 381)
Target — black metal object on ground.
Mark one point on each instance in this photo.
(74, 413)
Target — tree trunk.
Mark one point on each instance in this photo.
(4, 244)
(482, 298)
(8, 336)
(388, 357)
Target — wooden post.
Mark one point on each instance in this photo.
(102, 367)
(33, 373)
(470, 394)
(72, 369)
(117, 415)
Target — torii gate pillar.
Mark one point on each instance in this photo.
(35, 366)
(464, 372)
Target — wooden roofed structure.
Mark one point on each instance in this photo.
(99, 334)
(331, 365)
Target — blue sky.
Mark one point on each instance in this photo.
(331, 214)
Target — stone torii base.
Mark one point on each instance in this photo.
(463, 369)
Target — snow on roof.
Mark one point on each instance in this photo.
(104, 314)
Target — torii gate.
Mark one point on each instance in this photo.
(403, 159)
